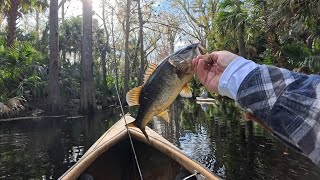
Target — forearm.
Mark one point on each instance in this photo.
(287, 103)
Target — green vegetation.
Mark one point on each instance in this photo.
(23, 71)
(282, 33)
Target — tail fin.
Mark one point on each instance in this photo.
(133, 124)
(145, 134)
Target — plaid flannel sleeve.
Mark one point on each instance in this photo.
(288, 103)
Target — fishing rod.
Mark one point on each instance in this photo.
(132, 146)
(129, 135)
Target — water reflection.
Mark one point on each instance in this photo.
(217, 138)
(230, 147)
(47, 148)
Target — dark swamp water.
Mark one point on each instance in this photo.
(217, 138)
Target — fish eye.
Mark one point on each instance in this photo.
(179, 55)
(188, 48)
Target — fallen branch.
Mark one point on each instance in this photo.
(75, 117)
(31, 118)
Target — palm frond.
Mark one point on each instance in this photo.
(313, 62)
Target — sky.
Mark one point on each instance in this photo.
(74, 8)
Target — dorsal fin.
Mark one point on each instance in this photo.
(165, 115)
(186, 91)
(133, 96)
(151, 68)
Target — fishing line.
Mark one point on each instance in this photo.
(132, 146)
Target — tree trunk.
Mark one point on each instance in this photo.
(87, 98)
(241, 33)
(63, 47)
(114, 52)
(105, 49)
(241, 43)
(104, 75)
(135, 71)
(62, 12)
(54, 101)
(37, 24)
(142, 60)
(242, 52)
(64, 53)
(2, 17)
(38, 30)
(171, 41)
(126, 66)
(11, 19)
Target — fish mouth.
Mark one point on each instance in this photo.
(182, 59)
(201, 49)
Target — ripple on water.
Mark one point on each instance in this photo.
(216, 138)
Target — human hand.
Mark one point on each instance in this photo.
(209, 68)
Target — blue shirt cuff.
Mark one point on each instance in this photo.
(233, 76)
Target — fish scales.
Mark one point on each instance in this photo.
(164, 83)
(157, 88)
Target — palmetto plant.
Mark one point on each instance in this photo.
(232, 19)
(22, 74)
(21, 70)
(13, 9)
(298, 24)
(70, 35)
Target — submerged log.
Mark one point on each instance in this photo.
(31, 118)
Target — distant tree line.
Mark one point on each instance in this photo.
(46, 55)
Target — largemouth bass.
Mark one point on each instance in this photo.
(163, 82)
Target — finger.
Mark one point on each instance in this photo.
(194, 65)
(210, 65)
(201, 72)
(217, 68)
(215, 83)
(203, 56)
(214, 56)
(207, 58)
(207, 66)
(210, 82)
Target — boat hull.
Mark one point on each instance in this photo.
(111, 157)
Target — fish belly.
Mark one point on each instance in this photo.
(163, 97)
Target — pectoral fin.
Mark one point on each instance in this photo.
(165, 115)
(186, 91)
(133, 96)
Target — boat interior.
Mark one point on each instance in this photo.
(118, 163)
